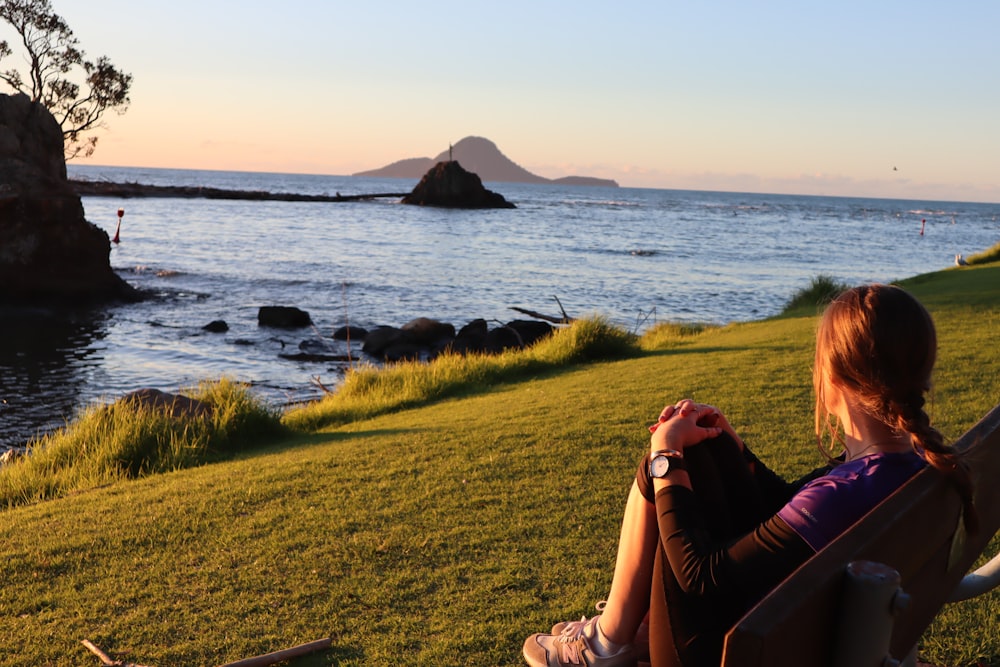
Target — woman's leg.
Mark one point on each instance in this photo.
(685, 629)
(632, 585)
(628, 601)
(722, 480)
(608, 639)
(728, 497)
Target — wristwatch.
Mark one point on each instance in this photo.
(665, 460)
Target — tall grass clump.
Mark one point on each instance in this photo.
(820, 291)
(240, 420)
(588, 339)
(991, 254)
(129, 439)
(670, 334)
(368, 391)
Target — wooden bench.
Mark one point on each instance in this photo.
(847, 606)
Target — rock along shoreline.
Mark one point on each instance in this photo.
(133, 190)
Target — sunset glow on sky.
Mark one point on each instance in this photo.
(891, 99)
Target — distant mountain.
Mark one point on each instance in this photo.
(483, 158)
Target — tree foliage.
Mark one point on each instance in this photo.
(57, 73)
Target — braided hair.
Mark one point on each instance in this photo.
(879, 344)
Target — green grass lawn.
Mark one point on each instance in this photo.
(445, 532)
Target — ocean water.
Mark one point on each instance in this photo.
(636, 256)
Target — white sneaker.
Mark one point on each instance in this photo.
(573, 643)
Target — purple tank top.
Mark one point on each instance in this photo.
(827, 506)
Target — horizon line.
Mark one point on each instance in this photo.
(761, 192)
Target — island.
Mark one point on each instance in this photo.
(481, 156)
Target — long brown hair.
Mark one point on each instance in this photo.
(879, 344)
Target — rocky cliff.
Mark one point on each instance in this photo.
(48, 250)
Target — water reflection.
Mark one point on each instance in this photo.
(46, 360)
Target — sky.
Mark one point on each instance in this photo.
(875, 98)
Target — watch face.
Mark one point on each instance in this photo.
(659, 466)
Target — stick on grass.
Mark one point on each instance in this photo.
(281, 656)
(104, 656)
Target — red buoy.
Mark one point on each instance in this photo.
(118, 229)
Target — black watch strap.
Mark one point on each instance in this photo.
(674, 457)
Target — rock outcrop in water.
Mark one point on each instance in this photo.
(447, 184)
(283, 317)
(48, 250)
(425, 338)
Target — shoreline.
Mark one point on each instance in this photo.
(131, 190)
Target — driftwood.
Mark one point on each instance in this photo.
(317, 382)
(105, 659)
(257, 661)
(517, 334)
(565, 319)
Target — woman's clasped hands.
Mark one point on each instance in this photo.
(684, 424)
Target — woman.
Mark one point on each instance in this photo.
(709, 530)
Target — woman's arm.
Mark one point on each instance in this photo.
(709, 420)
(742, 571)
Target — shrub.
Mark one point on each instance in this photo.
(669, 334)
(129, 439)
(589, 339)
(991, 254)
(821, 290)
